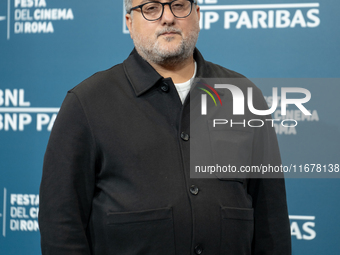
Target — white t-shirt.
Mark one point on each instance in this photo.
(184, 88)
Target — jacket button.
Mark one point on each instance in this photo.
(185, 136)
(165, 87)
(198, 249)
(194, 190)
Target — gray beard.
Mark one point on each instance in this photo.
(152, 52)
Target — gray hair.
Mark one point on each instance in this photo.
(128, 5)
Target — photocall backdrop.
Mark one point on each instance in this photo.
(49, 46)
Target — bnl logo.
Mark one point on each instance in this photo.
(238, 99)
(5, 19)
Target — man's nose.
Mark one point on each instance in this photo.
(167, 16)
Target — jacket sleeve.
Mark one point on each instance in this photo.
(271, 222)
(68, 182)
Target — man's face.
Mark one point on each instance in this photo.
(168, 40)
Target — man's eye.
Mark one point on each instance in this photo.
(151, 8)
(177, 6)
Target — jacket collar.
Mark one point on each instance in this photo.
(143, 76)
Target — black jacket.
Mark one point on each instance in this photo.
(116, 176)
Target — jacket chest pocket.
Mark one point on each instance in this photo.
(142, 232)
(231, 148)
(237, 230)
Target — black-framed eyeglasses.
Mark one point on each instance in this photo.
(154, 10)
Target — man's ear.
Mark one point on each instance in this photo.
(128, 20)
(198, 12)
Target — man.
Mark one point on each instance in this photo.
(116, 171)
